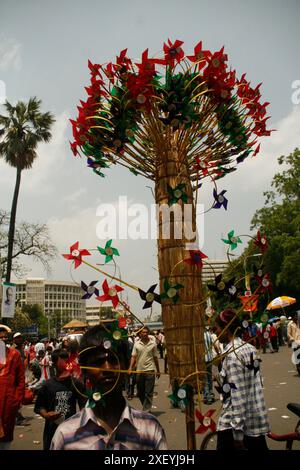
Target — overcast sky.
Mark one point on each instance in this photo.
(44, 48)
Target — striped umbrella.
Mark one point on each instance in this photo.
(280, 302)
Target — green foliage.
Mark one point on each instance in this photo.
(279, 219)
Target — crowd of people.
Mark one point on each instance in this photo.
(83, 384)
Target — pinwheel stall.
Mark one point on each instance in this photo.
(175, 119)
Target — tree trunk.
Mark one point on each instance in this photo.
(183, 321)
(12, 225)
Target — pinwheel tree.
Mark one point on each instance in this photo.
(175, 120)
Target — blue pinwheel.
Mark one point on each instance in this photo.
(90, 289)
(220, 199)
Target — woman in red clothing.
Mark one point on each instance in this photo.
(12, 386)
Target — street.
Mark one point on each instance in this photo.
(281, 383)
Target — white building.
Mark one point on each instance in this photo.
(211, 269)
(53, 296)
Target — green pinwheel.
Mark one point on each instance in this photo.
(108, 251)
(171, 291)
(179, 396)
(176, 194)
(94, 397)
(113, 335)
(232, 240)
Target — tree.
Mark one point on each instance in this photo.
(30, 240)
(21, 130)
(279, 219)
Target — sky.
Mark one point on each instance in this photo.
(44, 49)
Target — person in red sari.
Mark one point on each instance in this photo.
(12, 387)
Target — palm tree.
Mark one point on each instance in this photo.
(21, 130)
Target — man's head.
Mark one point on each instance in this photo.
(4, 332)
(9, 295)
(59, 359)
(227, 325)
(41, 354)
(144, 333)
(96, 353)
(18, 339)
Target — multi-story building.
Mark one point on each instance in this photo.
(96, 313)
(53, 296)
(211, 269)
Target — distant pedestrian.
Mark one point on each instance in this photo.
(145, 358)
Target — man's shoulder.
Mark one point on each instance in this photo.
(71, 424)
(143, 418)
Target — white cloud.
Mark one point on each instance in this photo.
(10, 54)
(76, 195)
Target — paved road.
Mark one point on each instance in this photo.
(282, 385)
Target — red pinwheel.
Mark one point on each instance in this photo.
(196, 257)
(205, 421)
(200, 55)
(89, 290)
(173, 52)
(110, 293)
(265, 284)
(261, 242)
(220, 200)
(74, 147)
(76, 254)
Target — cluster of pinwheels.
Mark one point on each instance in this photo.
(132, 107)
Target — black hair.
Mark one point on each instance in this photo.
(94, 338)
(226, 316)
(59, 353)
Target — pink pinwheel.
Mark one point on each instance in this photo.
(196, 257)
(110, 293)
(76, 254)
(205, 422)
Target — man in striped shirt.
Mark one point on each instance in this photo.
(109, 423)
(243, 422)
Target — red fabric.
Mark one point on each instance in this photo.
(12, 388)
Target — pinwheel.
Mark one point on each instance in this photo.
(220, 200)
(225, 389)
(261, 242)
(205, 421)
(76, 254)
(177, 194)
(171, 291)
(150, 296)
(254, 364)
(265, 284)
(110, 293)
(89, 289)
(108, 251)
(173, 52)
(179, 396)
(221, 287)
(113, 335)
(196, 257)
(94, 396)
(232, 240)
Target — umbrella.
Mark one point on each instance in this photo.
(281, 302)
